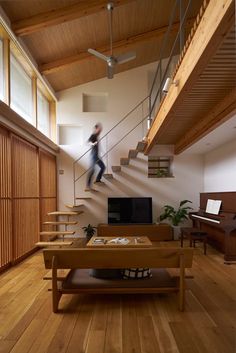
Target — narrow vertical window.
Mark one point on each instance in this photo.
(43, 107)
(21, 91)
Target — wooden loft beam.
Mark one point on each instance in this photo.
(56, 65)
(215, 22)
(224, 110)
(57, 16)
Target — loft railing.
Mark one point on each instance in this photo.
(148, 107)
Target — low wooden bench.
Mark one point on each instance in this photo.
(80, 260)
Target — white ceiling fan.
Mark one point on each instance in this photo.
(112, 60)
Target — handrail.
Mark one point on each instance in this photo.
(163, 44)
(117, 143)
(119, 122)
(171, 54)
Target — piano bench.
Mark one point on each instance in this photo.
(194, 234)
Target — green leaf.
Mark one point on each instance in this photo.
(184, 202)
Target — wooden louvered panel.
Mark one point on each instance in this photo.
(25, 208)
(25, 226)
(215, 83)
(5, 233)
(48, 188)
(47, 205)
(20, 202)
(5, 199)
(5, 164)
(25, 169)
(47, 163)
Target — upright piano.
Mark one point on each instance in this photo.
(221, 228)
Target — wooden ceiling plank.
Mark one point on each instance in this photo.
(56, 65)
(57, 16)
(219, 114)
(216, 21)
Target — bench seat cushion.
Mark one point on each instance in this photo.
(80, 278)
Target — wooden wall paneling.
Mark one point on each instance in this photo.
(5, 233)
(26, 226)
(25, 194)
(47, 205)
(25, 169)
(47, 172)
(5, 200)
(5, 164)
(48, 187)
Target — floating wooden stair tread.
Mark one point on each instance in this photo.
(72, 223)
(73, 206)
(64, 213)
(108, 176)
(124, 161)
(55, 232)
(43, 244)
(116, 168)
(141, 146)
(133, 153)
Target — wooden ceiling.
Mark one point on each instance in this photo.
(58, 34)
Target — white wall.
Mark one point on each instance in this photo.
(124, 92)
(220, 168)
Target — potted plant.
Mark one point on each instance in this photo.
(89, 231)
(176, 216)
(162, 173)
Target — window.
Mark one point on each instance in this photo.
(160, 167)
(1, 72)
(21, 91)
(43, 108)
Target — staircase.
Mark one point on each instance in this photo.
(153, 101)
(124, 161)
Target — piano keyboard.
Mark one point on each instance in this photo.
(206, 219)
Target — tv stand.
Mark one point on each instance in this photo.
(155, 232)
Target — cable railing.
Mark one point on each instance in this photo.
(155, 97)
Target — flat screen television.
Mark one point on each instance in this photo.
(129, 210)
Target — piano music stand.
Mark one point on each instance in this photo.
(194, 234)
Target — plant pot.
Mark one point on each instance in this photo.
(176, 232)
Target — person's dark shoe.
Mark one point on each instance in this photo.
(99, 182)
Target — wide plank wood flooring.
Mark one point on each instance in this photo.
(120, 324)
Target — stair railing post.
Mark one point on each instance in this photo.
(181, 23)
(149, 120)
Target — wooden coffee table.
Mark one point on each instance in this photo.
(134, 242)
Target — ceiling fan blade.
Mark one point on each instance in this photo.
(124, 58)
(110, 72)
(98, 54)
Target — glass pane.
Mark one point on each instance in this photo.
(21, 91)
(1, 72)
(43, 114)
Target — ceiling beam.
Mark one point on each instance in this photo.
(214, 24)
(222, 112)
(57, 16)
(51, 67)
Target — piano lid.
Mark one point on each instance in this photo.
(228, 199)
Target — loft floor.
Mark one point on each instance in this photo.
(120, 324)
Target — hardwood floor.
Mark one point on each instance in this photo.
(120, 324)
